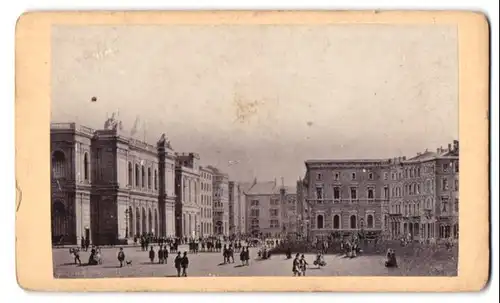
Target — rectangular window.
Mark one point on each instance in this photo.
(456, 205)
(445, 184)
(319, 176)
(336, 193)
(336, 176)
(254, 203)
(319, 193)
(393, 176)
(254, 212)
(273, 212)
(386, 192)
(370, 176)
(456, 166)
(354, 193)
(386, 175)
(371, 194)
(445, 167)
(353, 176)
(444, 205)
(456, 184)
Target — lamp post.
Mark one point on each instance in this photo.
(126, 222)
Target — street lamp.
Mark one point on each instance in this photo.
(126, 223)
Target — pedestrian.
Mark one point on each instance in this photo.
(225, 254)
(303, 265)
(247, 256)
(243, 257)
(296, 266)
(160, 255)
(121, 256)
(76, 254)
(184, 264)
(177, 263)
(165, 254)
(152, 255)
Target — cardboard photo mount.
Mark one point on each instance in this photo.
(33, 101)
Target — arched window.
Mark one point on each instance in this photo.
(137, 176)
(353, 222)
(369, 221)
(130, 173)
(149, 177)
(86, 166)
(143, 179)
(58, 164)
(319, 222)
(336, 222)
(156, 179)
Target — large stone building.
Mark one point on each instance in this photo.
(345, 196)
(188, 194)
(289, 218)
(206, 179)
(416, 197)
(107, 186)
(220, 202)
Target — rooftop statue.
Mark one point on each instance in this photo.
(113, 124)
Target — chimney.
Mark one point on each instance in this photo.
(449, 147)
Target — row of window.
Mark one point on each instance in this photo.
(337, 193)
(140, 176)
(353, 222)
(353, 176)
(255, 224)
(412, 172)
(256, 212)
(413, 209)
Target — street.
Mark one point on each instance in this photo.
(209, 264)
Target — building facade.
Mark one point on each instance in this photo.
(188, 194)
(289, 217)
(416, 198)
(220, 199)
(425, 196)
(206, 179)
(107, 187)
(345, 196)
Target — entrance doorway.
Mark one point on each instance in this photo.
(87, 234)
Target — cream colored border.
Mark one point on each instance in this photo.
(34, 260)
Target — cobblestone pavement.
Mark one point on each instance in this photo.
(209, 264)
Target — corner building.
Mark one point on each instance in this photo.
(188, 195)
(108, 187)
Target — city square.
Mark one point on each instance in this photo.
(205, 264)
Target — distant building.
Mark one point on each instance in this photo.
(269, 208)
(206, 179)
(220, 202)
(108, 187)
(188, 195)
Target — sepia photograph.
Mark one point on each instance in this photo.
(254, 150)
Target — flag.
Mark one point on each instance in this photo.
(133, 131)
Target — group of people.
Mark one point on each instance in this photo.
(95, 256)
(299, 267)
(162, 254)
(350, 249)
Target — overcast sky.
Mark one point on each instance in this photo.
(269, 97)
